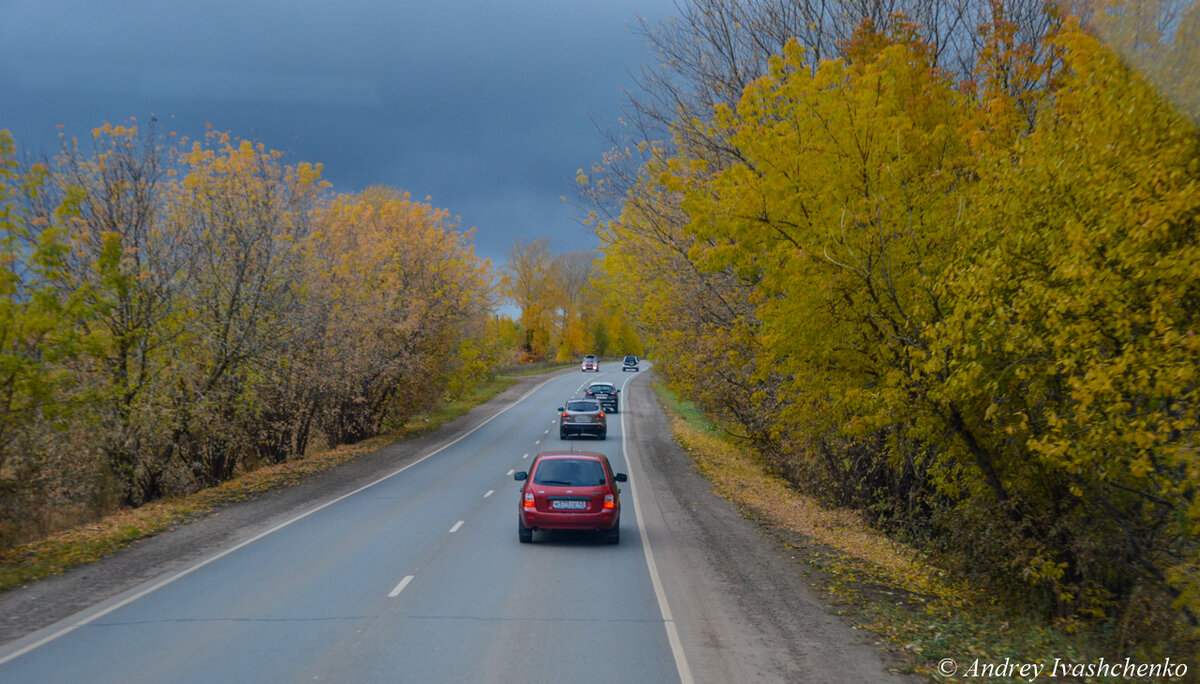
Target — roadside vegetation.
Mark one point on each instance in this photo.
(938, 267)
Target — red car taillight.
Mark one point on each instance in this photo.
(609, 501)
(564, 415)
(528, 499)
(602, 414)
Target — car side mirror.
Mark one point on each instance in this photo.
(621, 477)
(560, 408)
(520, 475)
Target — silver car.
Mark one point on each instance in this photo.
(582, 417)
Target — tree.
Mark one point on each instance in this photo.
(530, 283)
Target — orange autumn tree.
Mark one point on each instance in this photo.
(404, 306)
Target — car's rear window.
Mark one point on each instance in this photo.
(583, 406)
(568, 472)
(630, 359)
(602, 388)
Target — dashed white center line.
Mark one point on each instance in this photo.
(538, 442)
(511, 472)
(546, 432)
(525, 456)
(456, 526)
(400, 587)
(492, 491)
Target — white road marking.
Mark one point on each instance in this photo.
(525, 456)
(400, 587)
(538, 442)
(456, 526)
(510, 473)
(681, 663)
(546, 432)
(237, 547)
(492, 491)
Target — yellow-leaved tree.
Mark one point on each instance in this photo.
(1072, 340)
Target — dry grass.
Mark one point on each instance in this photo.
(739, 477)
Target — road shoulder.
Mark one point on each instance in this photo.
(741, 602)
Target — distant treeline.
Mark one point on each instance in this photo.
(942, 266)
(175, 312)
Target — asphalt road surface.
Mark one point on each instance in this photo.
(406, 567)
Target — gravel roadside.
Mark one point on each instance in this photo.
(742, 601)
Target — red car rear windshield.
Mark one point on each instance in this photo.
(569, 473)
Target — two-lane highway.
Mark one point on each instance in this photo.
(416, 577)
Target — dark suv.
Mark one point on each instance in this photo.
(605, 393)
(582, 417)
(630, 363)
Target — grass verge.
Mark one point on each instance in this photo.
(936, 626)
(85, 544)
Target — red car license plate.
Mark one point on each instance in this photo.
(569, 505)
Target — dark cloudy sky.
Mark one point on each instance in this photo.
(483, 105)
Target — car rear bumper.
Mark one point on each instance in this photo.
(546, 520)
(595, 429)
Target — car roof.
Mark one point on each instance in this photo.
(577, 455)
(601, 382)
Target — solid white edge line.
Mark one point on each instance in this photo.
(681, 663)
(456, 526)
(184, 573)
(400, 587)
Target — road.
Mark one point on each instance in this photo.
(417, 575)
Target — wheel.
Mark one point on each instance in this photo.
(604, 435)
(613, 536)
(562, 435)
(525, 534)
(615, 409)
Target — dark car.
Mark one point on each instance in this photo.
(590, 363)
(630, 362)
(582, 417)
(605, 393)
(574, 490)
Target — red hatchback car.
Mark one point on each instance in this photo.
(570, 490)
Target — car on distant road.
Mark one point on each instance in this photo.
(605, 393)
(583, 416)
(590, 363)
(569, 490)
(630, 362)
